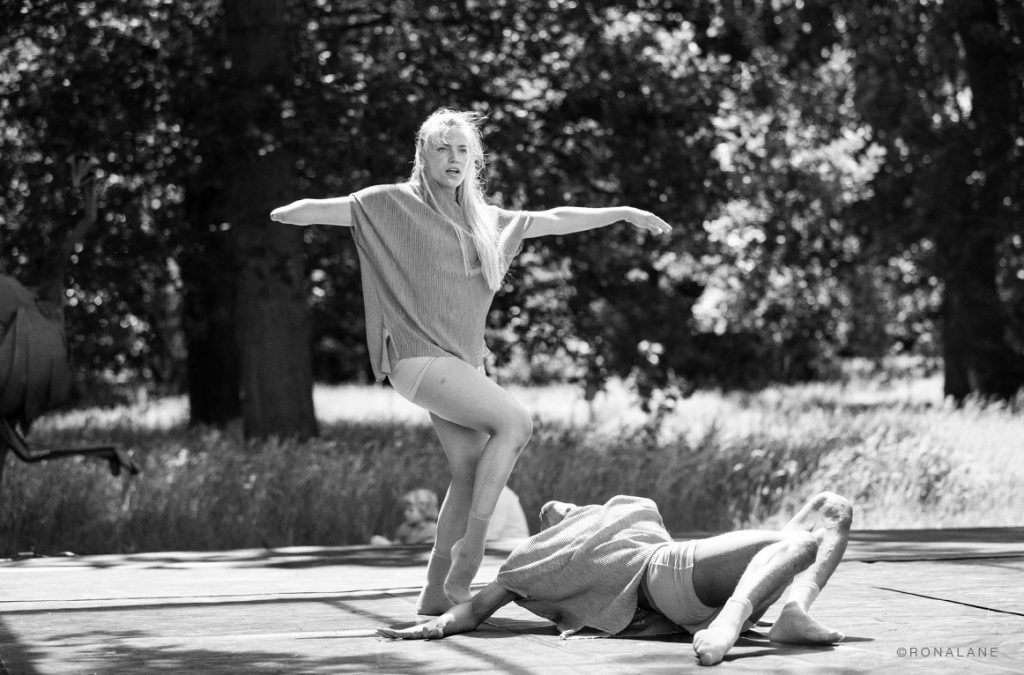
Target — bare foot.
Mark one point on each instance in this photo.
(796, 626)
(464, 567)
(712, 643)
(432, 602)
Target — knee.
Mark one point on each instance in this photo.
(517, 426)
(836, 508)
(525, 429)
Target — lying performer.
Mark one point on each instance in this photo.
(604, 567)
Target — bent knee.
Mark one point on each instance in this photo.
(835, 507)
(523, 430)
(517, 426)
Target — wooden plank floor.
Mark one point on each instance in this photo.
(929, 601)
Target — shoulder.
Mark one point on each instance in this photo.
(379, 205)
(384, 191)
(631, 502)
(632, 508)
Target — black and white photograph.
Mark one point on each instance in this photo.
(511, 336)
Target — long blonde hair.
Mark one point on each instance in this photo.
(482, 232)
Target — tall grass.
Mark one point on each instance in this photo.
(716, 462)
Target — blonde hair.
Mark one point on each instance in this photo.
(482, 230)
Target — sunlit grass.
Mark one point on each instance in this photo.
(714, 462)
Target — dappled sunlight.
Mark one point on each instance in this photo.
(365, 403)
(555, 404)
(150, 414)
(712, 461)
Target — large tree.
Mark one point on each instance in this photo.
(273, 326)
(942, 85)
(755, 128)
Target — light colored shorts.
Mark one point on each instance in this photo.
(407, 375)
(668, 583)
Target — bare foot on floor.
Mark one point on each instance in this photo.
(432, 602)
(712, 643)
(795, 626)
(460, 576)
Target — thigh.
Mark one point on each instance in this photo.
(456, 391)
(407, 374)
(719, 562)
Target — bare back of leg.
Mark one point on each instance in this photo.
(743, 572)
(453, 390)
(463, 447)
(752, 568)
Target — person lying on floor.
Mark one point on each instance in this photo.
(610, 566)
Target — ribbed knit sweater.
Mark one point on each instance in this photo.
(586, 570)
(419, 299)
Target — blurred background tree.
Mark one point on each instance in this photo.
(844, 179)
(942, 86)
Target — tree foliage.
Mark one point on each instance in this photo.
(843, 178)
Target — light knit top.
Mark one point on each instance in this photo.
(586, 570)
(419, 298)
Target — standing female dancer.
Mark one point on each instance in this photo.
(432, 254)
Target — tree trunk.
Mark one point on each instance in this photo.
(273, 323)
(209, 276)
(209, 325)
(979, 355)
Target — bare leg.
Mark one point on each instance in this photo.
(769, 570)
(745, 572)
(463, 448)
(455, 391)
(827, 516)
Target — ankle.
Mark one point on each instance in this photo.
(733, 615)
(803, 594)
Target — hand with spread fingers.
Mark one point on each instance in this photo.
(431, 630)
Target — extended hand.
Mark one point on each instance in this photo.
(646, 220)
(431, 630)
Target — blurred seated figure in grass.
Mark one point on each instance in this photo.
(614, 568)
(508, 520)
(419, 524)
(432, 254)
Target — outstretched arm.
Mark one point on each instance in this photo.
(572, 219)
(461, 618)
(333, 211)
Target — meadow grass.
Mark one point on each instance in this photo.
(714, 462)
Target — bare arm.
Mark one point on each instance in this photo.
(333, 211)
(572, 219)
(461, 618)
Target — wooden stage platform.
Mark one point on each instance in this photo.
(928, 601)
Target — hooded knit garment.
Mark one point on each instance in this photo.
(586, 570)
(418, 297)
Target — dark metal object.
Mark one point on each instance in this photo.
(35, 368)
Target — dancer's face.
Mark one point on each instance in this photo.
(446, 158)
(553, 513)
